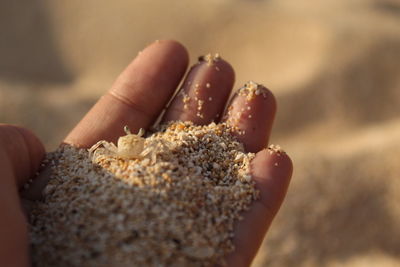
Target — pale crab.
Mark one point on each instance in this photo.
(128, 146)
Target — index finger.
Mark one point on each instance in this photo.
(137, 97)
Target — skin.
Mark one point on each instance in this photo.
(136, 99)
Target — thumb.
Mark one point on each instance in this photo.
(20, 155)
(20, 151)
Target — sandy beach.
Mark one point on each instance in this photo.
(334, 67)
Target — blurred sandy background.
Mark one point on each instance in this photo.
(334, 66)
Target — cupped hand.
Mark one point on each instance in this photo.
(137, 98)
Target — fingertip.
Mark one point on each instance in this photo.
(35, 147)
(275, 157)
(178, 49)
(272, 98)
(172, 47)
(204, 92)
(272, 171)
(169, 55)
(252, 112)
(272, 103)
(227, 69)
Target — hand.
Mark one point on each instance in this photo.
(136, 99)
(20, 155)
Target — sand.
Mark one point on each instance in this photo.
(333, 65)
(171, 199)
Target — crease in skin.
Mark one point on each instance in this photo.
(126, 101)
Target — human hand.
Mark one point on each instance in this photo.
(140, 94)
(20, 156)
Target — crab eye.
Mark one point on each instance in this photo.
(127, 130)
(141, 132)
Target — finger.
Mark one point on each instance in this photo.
(21, 151)
(137, 97)
(271, 171)
(252, 112)
(34, 191)
(20, 156)
(204, 92)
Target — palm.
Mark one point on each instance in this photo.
(142, 91)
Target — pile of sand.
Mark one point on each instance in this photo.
(167, 200)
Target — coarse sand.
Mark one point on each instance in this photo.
(173, 200)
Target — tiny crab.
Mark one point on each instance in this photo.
(128, 146)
